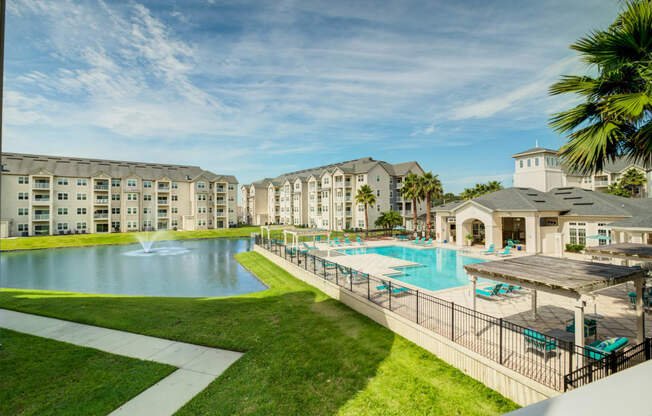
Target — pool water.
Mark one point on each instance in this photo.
(440, 268)
(197, 268)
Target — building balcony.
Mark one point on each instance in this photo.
(163, 188)
(101, 215)
(41, 201)
(163, 201)
(220, 189)
(220, 214)
(220, 202)
(100, 187)
(41, 217)
(162, 215)
(101, 201)
(41, 185)
(601, 183)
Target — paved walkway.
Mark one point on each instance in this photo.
(198, 365)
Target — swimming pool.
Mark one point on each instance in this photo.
(190, 268)
(441, 268)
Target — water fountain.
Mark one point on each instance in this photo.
(147, 240)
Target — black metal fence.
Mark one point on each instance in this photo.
(609, 364)
(537, 356)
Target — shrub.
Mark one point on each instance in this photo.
(574, 248)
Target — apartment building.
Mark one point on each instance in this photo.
(46, 195)
(542, 170)
(324, 196)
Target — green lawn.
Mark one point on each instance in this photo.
(305, 352)
(22, 243)
(39, 376)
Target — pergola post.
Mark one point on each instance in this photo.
(640, 313)
(474, 281)
(579, 329)
(285, 237)
(533, 308)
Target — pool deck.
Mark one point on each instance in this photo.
(373, 263)
(618, 315)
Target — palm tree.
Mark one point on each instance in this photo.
(410, 190)
(615, 117)
(381, 221)
(393, 218)
(493, 186)
(618, 189)
(430, 187)
(366, 196)
(632, 180)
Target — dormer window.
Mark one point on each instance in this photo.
(520, 163)
(201, 185)
(529, 163)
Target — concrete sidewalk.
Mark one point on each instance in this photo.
(198, 365)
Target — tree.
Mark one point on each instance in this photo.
(410, 190)
(632, 180)
(389, 219)
(615, 115)
(481, 189)
(617, 189)
(430, 187)
(366, 196)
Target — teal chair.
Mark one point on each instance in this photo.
(590, 327)
(359, 241)
(418, 239)
(491, 250)
(489, 291)
(647, 301)
(426, 243)
(509, 289)
(598, 349)
(505, 252)
(347, 241)
(537, 341)
(337, 241)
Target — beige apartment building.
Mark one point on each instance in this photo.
(48, 195)
(324, 196)
(541, 169)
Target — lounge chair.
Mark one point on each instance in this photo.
(489, 291)
(329, 265)
(539, 342)
(508, 289)
(359, 241)
(347, 241)
(598, 349)
(491, 249)
(307, 247)
(505, 252)
(416, 241)
(590, 327)
(386, 286)
(647, 301)
(337, 241)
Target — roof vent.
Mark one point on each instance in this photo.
(582, 203)
(532, 194)
(572, 197)
(539, 200)
(563, 193)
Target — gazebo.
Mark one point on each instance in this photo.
(304, 232)
(563, 277)
(624, 251)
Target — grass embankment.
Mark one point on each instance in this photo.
(76, 240)
(305, 352)
(40, 376)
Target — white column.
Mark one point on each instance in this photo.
(473, 280)
(579, 329)
(285, 237)
(534, 304)
(640, 313)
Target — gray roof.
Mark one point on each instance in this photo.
(522, 199)
(25, 164)
(533, 151)
(567, 201)
(361, 165)
(614, 166)
(639, 221)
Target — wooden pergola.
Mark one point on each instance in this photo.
(564, 277)
(304, 232)
(271, 227)
(624, 251)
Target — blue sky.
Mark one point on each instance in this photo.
(256, 89)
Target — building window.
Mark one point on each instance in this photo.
(377, 178)
(23, 180)
(147, 197)
(81, 197)
(82, 182)
(115, 225)
(62, 211)
(62, 226)
(23, 227)
(132, 197)
(529, 163)
(23, 196)
(115, 197)
(132, 182)
(81, 225)
(520, 163)
(115, 210)
(81, 211)
(201, 185)
(360, 178)
(115, 183)
(174, 210)
(62, 181)
(175, 185)
(603, 232)
(146, 210)
(62, 196)
(175, 197)
(147, 184)
(577, 232)
(23, 211)
(536, 161)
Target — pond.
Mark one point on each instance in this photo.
(189, 268)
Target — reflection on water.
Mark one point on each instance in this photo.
(199, 268)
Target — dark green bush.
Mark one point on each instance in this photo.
(574, 248)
